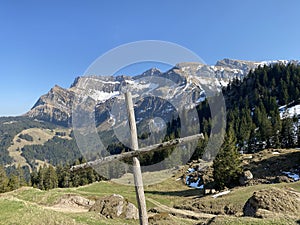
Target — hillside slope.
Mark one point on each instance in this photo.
(40, 207)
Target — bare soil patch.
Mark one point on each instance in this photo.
(72, 203)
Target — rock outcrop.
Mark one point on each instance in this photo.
(270, 202)
(115, 206)
(246, 177)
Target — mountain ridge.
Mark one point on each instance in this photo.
(56, 105)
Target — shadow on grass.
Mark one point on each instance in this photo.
(211, 220)
(274, 165)
(186, 193)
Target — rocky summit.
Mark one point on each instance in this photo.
(185, 85)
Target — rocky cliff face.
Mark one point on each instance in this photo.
(55, 106)
(186, 84)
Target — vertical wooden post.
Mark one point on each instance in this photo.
(131, 120)
(137, 174)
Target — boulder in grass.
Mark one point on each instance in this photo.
(115, 206)
(282, 179)
(269, 202)
(246, 177)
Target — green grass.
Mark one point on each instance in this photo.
(235, 200)
(29, 205)
(17, 212)
(226, 220)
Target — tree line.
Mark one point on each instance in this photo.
(47, 177)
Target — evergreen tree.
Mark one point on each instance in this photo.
(41, 177)
(50, 179)
(63, 176)
(244, 127)
(288, 133)
(13, 183)
(17, 179)
(20, 174)
(3, 180)
(227, 164)
(34, 178)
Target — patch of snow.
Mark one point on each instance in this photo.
(194, 184)
(271, 62)
(142, 85)
(282, 108)
(104, 80)
(129, 81)
(214, 68)
(289, 112)
(201, 99)
(110, 82)
(191, 170)
(224, 83)
(103, 96)
(294, 176)
(275, 153)
(220, 194)
(10, 122)
(237, 71)
(112, 120)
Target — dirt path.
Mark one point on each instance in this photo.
(65, 208)
(295, 193)
(180, 212)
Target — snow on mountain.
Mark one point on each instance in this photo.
(185, 85)
(101, 96)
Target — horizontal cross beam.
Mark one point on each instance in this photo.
(135, 153)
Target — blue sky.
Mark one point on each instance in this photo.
(43, 43)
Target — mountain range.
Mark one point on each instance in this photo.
(189, 83)
(46, 132)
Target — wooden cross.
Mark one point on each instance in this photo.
(137, 174)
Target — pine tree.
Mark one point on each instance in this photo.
(41, 177)
(288, 133)
(227, 165)
(13, 183)
(245, 127)
(3, 180)
(34, 178)
(50, 180)
(21, 176)
(63, 176)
